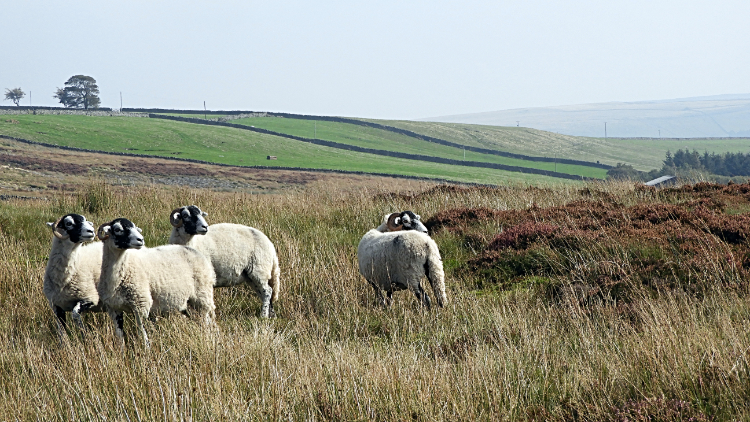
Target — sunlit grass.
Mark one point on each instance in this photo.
(333, 354)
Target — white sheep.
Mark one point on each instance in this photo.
(239, 254)
(73, 269)
(151, 281)
(396, 256)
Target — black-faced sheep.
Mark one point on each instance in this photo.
(392, 258)
(399, 221)
(151, 281)
(239, 254)
(73, 269)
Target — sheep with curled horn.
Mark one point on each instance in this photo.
(240, 254)
(405, 220)
(151, 281)
(397, 254)
(73, 269)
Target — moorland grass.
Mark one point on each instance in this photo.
(226, 145)
(333, 354)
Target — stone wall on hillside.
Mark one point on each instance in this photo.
(68, 111)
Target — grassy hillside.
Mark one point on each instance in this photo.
(228, 146)
(635, 312)
(643, 154)
(380, 139)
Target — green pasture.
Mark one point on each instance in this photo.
(368, 137)
(643, 154)
(230, 146)
(651, 152)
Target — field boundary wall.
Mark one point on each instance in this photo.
(190, 160)
(376, 126)
(32, 108)
(417, 157)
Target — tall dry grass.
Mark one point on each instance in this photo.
(333, 354)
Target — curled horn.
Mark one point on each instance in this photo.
(174, 221)
(55, 232)
(391, 223)
(100, 233)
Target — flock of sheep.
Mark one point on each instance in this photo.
(119, 274)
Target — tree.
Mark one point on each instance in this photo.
(624, 172)
(14, 95)
(669, 161)
(80, 92)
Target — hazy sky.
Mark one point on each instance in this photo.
(384, 59)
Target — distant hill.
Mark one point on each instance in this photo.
(714, 116)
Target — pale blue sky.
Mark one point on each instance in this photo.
(387, 59)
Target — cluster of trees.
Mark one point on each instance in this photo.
(727, 164)
(686, 163)
(80, 91)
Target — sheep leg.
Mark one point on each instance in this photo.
(117, 320)
(422, 296)
(389, 297)
(140, 316)
(60, 314)
(378, 292)
(60, 320)
(271, 312)
(81, 306)
(264, 292)
(434, 272)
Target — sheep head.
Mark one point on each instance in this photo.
(124, 234)
(73, 227)
(411, 221)
(399, 221)
(190, 219)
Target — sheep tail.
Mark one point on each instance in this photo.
(274, 282)
(433, 268)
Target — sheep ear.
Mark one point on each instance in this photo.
(139, 229)
(103, 232)
(203, 213)
(51, 225)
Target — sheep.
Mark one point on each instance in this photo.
(406, 220)
(151, 281)
(73, 269)
(397, 254)
(239, 254)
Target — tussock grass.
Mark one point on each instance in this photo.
(333, 354)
